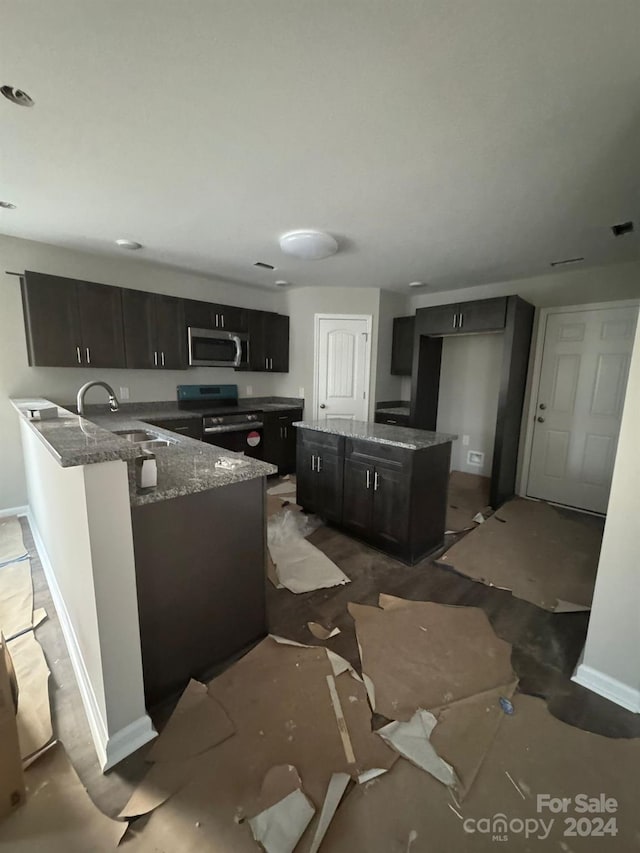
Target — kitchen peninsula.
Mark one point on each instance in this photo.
(385, 484)
(151, 586)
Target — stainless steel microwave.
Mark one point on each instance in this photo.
(209, 348)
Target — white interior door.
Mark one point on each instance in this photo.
(342, 352)
(583, 379)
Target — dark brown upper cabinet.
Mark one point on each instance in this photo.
(483, 315)
(402, 346)
(71, 323)
(209, 315)
(268, 342)
(154, 330)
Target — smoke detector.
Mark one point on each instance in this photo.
(309, 245)
(17, 96)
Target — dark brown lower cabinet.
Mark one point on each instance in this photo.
(319, 474)
(280, 439)
(200, 577)
(393, 498)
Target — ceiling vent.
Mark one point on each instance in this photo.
(622, 229)
(264, 266)
(17, 96)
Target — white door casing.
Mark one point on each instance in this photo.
(342, 355)
(578, 407)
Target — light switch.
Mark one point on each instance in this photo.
(249, 390)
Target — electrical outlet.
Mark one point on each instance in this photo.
(301, 393)
(475, 457)
(124, 392)
(249, 390)
(465, 440)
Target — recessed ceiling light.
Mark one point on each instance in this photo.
(128, 244)
(566, 261)
(309, 245)
(282, 283)
(417, 284)
(17, 96)
(7, 205)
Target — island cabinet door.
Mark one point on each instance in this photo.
(358, 497)
(306, 479)
(330, 478)
(390, 515)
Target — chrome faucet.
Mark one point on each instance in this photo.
(113, 400)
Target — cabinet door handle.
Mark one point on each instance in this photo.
(216, 321)
(162, 358)
(376, 481)
(266, 364)
(222, 320)
(88, 355)
(368, 478)
(460, 320)
(286, 432)
(155, 358)
(313, 462)
(455, 320)
(180, 429)
(78, 355)
(318, 465)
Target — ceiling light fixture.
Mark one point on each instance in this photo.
(309, 245)
(417, 284)
(17, 96)
(282, 283)
(129, 244)
(566, 261)
(7, 205)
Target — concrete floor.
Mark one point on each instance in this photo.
(546, 647)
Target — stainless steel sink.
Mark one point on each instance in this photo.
(154, 443)
(136, 435)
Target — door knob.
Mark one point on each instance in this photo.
(322, 406)
(542, 406)
(540, 420)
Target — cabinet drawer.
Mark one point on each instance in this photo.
(393, 420)
(183, 426)
(323, 440)
(376, 453)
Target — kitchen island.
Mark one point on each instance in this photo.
(152, 585)
(384, 484)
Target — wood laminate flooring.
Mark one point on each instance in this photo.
(546, 647)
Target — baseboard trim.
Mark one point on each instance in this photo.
(128, 740)
(610, 688)
(14, 510)
(112, 748)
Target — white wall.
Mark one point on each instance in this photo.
(610, 661)
(388, 387)
(81, 521)
(302, 305)
(17, 379)
(468, 398)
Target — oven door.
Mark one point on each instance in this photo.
(216, 349)
(245, 439)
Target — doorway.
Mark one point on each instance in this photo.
(581, 384)
(342, 356)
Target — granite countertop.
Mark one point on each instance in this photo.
(410, 439)
(186, 466)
